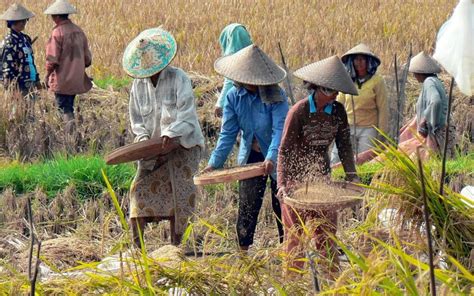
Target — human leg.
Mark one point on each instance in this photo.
(293, 235)
(183, 164)
(66, 107)
(138, 226)
(325, 228)
(365, 138)
(251, 192)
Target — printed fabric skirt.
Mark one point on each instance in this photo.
(166, 190)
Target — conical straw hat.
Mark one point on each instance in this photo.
(329, 73)
(423, 63)
(16, 12)
(360, 49)
(149, 53)
(250, 65)
(60, 7)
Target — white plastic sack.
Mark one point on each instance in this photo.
(455, 46)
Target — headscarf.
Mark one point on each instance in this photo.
(372, 65)
(233, 38)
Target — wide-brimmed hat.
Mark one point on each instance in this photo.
(149, 53)
(250, 65)
(16, 12)
(60, 7)
(423, 63)
(360, 49)
(329, 73)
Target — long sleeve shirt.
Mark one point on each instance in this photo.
(432, 106)
(18, 63)
(165, 110)
(244, 111)
(228, 84)
(309, 131)
(67, 57)
(371, 105)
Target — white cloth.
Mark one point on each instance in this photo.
(468, 192)
(364, 137)
(165, 110)
(455, 46)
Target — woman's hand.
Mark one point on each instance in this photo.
(269, 166)
(208, 169)
(286, 190)
(282, 192)
(218, 112)
(423, 128)
(165, 140)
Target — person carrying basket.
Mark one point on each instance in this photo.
(311, 126)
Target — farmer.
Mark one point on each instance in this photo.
(368, 109)
(432, 104)
(67, 57)
(162, 106)
(18, 62)
(233, 38)
(255, 106)
(310, 128)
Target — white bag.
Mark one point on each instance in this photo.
(455, 46)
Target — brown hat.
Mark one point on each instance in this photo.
(250, 65)
(329, 73)
(16, 12)
(360, 49)
(423, 63)
(60, 7)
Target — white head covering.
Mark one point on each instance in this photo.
(60, 7)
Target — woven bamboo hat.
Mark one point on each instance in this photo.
(60, 7)
(16, 12)
(329, 73)
(423, 63)
(250, 65)
(360, 49)
(149, 53)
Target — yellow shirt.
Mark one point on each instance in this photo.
(371, 105)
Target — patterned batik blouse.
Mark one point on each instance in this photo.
(18, 64)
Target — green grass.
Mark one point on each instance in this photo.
(113, 82)
(84, 172)
(54, 175)
(459, 165)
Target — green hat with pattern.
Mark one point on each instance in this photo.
(149, 53)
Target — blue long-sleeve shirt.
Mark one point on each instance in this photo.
(244, 111)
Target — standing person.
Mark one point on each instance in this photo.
(162, 106)
(233, 38)
(257, 107)
(310, 128)
(432, 104)
(368, 109)
(67, 57)
(18, 62)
